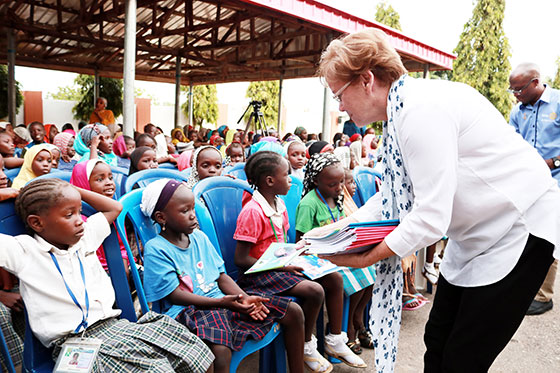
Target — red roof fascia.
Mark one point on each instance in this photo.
(324, 15)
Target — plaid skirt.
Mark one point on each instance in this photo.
(356, 279)
(13, 328)
(224, 327)
(156, 343)
(268, 283)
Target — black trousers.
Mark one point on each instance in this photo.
(469, 327)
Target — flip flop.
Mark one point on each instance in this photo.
(421, 297)
(408, 307)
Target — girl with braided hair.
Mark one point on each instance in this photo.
(264, 220)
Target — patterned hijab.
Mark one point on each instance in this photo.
(61, 141)
(318, 163)
(194, 177)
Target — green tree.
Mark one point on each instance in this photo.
(267, 92)
(4, 93)
(205, 104)
(556, 82)
(66, 93)
(387, 15)
(111, 89)
(483, 54)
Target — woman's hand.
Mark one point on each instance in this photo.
(363, 259)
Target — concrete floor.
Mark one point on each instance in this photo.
(534, 348)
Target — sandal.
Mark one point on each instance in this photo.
(408, 305)
(430, 274)
(365, 338)
(355, 346)
(314, 361)
(320, 363)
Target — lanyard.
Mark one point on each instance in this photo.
(274, 231)
(85, 315)
(326, 204)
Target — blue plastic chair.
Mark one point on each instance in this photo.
(119, 177)
(62, 175)
(8, 363)
(145, 177)
(168, 166)
(36, 357)
(292, 200)
(146, 229)
(238, 170)
(12, 173)
(365, 183)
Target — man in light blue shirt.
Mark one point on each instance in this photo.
(536, 117)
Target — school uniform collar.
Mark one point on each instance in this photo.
(268, 210)
(46, 247)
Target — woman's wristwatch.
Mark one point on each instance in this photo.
(556, 162)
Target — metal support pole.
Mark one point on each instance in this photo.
(280, 106)
(96, 86)
(129, 69)
(177, 91)
(11, 78)
(326, 117)
(427, 71)
(191, 104)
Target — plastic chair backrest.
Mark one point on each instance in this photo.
(238, 170)
(119, 177)
(12, 173)
(145, 177)
(62, 175)
(365, 183)
(222, 196)
(168, 166)
(292, 200)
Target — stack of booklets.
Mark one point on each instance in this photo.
(279, 255)
(355, 238)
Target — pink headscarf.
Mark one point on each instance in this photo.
(366, 143)
(61, 141)
(184, 160)
(81, 173)
(119, 146)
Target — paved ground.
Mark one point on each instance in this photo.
(534, 348)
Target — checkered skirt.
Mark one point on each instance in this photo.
(269, 283)
(225, 327)
(13, 328)
(156, 343)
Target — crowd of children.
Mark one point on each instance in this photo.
(183, 272)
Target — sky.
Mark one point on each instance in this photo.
(530, 26)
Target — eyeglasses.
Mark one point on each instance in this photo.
(520, 90)
(338, 95)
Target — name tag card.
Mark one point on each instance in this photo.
(77, 355)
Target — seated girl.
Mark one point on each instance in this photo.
(206, 162)
(65, 142)
(55, 152)
(7, 150)
(185, 273)
(36, 162)
(120, 148)
(295, 151)
(55, 265)
(235, 153)
(322, 204)
(264, 220)
(142, 158)
(97, 138)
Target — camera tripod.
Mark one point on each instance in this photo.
(256, 117)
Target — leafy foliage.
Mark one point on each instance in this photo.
(387, 15)
(4, 93)
(111, 89)
(66, 93)
(205, 104)
(483, 54)
(556, 82)
(267, 92)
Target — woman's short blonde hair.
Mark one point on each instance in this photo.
(354, 54)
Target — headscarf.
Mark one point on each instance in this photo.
(291, 141)
(356, 149)
(194, 177)
(184, 160)
(157, 195)
(366, 142)
(221, 130)
(81, 173)
(229, 137)
(90, 131)
(23, 133)
(70, 131)
(318, 163)
(86, 134)
(267, 145)
(355, 137)
(119, 146)
(26, 174)
(61, 141)
(79, 145)
(318, 147)
(48, 131)
(135, 158)
(213, 139)
(174, 140)
(299, 130)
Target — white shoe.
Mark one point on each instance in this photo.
(430, 273)
(437, 260)
(335, 346)
(314, 361)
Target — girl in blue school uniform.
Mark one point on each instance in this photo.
(186, 275)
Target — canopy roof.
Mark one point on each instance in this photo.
(218, 41)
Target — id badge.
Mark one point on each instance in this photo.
(77, 355)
